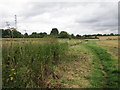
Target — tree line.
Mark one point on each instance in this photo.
(13, 33)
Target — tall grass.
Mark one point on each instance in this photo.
(30, 64)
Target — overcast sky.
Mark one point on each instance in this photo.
(89, 17)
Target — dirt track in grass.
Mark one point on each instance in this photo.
(81, 72)
(74, 74)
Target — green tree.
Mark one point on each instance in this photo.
(99, 34)
(78, 36)
(54, 31)
(41, 35)
(64, 34)
(16, 34)
(111, 34)
(26, 35)
(72, 36)
(34, 35)
(6, 33)
(104, 34)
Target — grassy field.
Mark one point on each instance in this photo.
(111, 43)
(60, 63)
(108, 37)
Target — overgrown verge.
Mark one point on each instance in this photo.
(105, 72)
(29, 65)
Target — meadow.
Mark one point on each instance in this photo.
(60, 63)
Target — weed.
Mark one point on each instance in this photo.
(29, 64)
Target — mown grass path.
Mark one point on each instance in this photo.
(91, 66)
(75, 70)
(105, 72)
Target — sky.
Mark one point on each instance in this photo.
(75, 17)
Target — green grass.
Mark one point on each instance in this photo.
(103, 75)
(29, 64)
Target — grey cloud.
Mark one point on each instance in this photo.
(107, 19)
(34, 8)
(37, 8)
(75, 16)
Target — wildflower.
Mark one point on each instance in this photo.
(14, 73)
(13, 69)
(11, 78)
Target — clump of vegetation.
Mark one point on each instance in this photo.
(30, 64)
